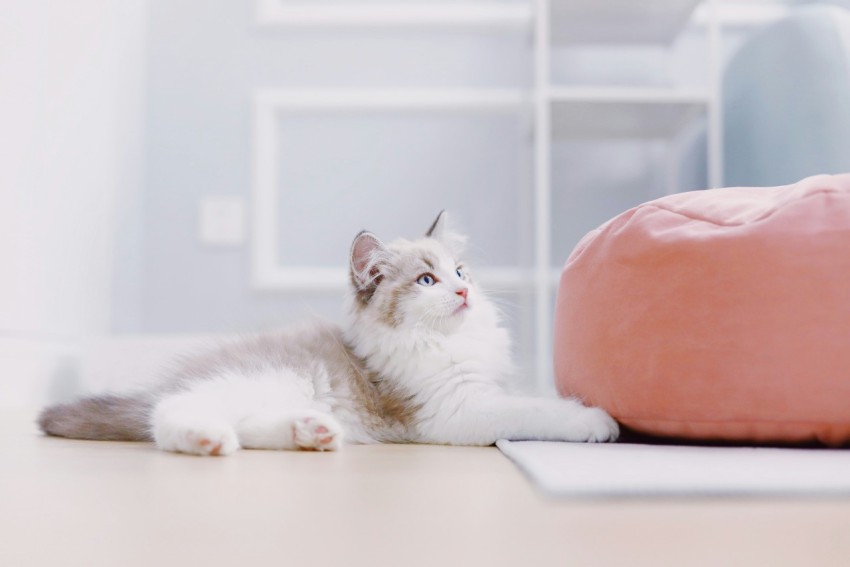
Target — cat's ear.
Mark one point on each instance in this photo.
(438, 227)
(368, 254)
(441, 232)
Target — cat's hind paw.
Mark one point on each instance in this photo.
(317, 433)
(210, 440)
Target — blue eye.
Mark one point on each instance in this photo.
(426, 280)
(459, 273)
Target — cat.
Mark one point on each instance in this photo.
(421, 358)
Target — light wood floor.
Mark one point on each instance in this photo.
(70, 503)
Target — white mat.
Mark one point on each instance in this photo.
(604, 470)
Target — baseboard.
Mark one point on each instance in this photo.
(35, 372)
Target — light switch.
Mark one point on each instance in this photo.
(222, 220)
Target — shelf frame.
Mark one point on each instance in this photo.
(271, 103)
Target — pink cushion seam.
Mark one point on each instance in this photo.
(748, 222)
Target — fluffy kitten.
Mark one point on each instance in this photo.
(421, 359)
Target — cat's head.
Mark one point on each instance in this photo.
(413, 284)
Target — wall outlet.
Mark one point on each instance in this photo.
(222, 220)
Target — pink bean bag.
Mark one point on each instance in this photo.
(717, 315)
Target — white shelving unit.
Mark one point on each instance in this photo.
(558, 111)
(595, 113)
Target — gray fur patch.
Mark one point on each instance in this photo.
(100, 418)
(390, 311)
(385, 407)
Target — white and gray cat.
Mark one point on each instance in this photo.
(421, 359)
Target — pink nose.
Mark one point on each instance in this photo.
(463, 292)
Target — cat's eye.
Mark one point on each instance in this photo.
(426, 280)
(460, 273)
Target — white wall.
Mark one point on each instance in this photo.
(71, 77)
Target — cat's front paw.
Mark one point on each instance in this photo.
(593, 425)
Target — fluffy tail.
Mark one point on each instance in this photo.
(100, 418)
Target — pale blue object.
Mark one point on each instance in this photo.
(787, 100)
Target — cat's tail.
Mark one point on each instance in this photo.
(101, 418)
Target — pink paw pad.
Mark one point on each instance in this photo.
(311, 433)
(206, 443)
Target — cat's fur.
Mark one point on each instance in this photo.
(414, 363)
